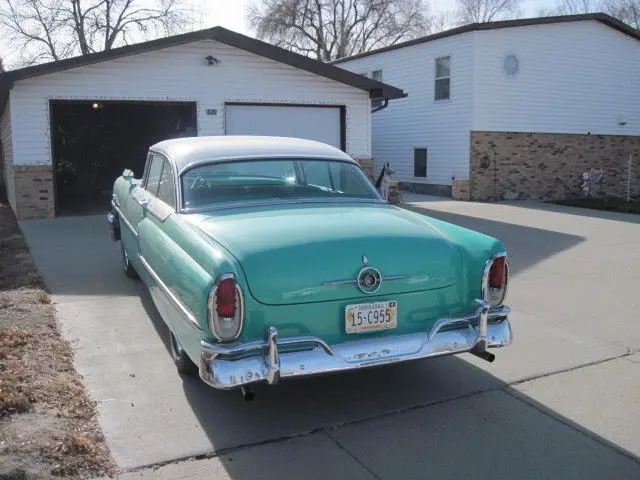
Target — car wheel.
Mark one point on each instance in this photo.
(129, 271)
(183, 363)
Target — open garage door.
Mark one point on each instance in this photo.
(94, 140)
(322, 123)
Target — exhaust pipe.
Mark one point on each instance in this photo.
(247, 393)
(489, 357)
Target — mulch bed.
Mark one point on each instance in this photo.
(48, 423)
(610, 204)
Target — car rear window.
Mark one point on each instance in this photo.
(273, 179)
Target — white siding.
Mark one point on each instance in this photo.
(419, 121)
(7, 154)
(574, 78)
(181, 74)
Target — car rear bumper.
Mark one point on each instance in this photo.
(274, 358)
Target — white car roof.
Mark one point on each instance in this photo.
(191, 151)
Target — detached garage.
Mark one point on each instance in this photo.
(68, 128)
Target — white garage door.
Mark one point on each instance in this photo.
(313, 123)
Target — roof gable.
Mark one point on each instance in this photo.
(376, 89)
(524, 22)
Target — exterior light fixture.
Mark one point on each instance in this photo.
(212, 61)
(96, 105)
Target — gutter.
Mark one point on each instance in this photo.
(386, 103)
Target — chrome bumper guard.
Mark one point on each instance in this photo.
(230, 367)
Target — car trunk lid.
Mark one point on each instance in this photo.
(304, 253)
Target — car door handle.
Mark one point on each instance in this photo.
(143, 202)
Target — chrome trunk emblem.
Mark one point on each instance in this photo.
(369, 280)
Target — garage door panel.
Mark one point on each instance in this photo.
(313, 123)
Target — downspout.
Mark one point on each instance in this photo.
(381, 107)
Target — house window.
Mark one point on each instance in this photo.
(420, 162)
(376, 75)
(443, 78)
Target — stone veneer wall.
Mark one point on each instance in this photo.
(461, 190)
(34, 191)
(549, 165)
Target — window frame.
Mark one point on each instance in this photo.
(145, 185)
(426, 161)
(168, 163)
(376, 102)
(244, 203)
(436, 78)
(145, 172)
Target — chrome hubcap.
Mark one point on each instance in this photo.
(125, 257)
(177, 347)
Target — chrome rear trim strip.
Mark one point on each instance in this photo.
(188, 316)
(124, 220)
(354, 281)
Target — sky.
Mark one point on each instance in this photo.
(231, 14)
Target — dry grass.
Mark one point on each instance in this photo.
(48, 422)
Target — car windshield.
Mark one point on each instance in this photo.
(273, 179)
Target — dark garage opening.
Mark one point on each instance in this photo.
(93, 141)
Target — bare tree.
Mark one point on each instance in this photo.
(627, 11)
(443, 20)
(331, 29)
(45, 30)
(480, 11)
(570, 7)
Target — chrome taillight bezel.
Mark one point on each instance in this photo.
(214, 319)
(486, 289)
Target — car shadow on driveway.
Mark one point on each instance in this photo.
(526, 245)
(436, 418)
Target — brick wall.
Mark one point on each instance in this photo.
(34, 191)
(367, 166)
(548, 165)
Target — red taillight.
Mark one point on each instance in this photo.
(497, 273)
(226, 298)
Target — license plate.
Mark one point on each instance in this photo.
(370, 317)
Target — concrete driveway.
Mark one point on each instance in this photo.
(561, 402)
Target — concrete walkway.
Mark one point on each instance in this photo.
(561, 402)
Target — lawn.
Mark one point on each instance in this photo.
(48, 424)
(611, 204)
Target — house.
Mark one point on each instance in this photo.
(68, 128)
(511, 109)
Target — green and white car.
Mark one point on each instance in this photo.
(272, 258)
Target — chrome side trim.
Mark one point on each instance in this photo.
(354, 281)
(159, 209)
(491, 314)
(264, 361)
(259, 346)
(124, 220)
(289, 201)
(188, 316)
